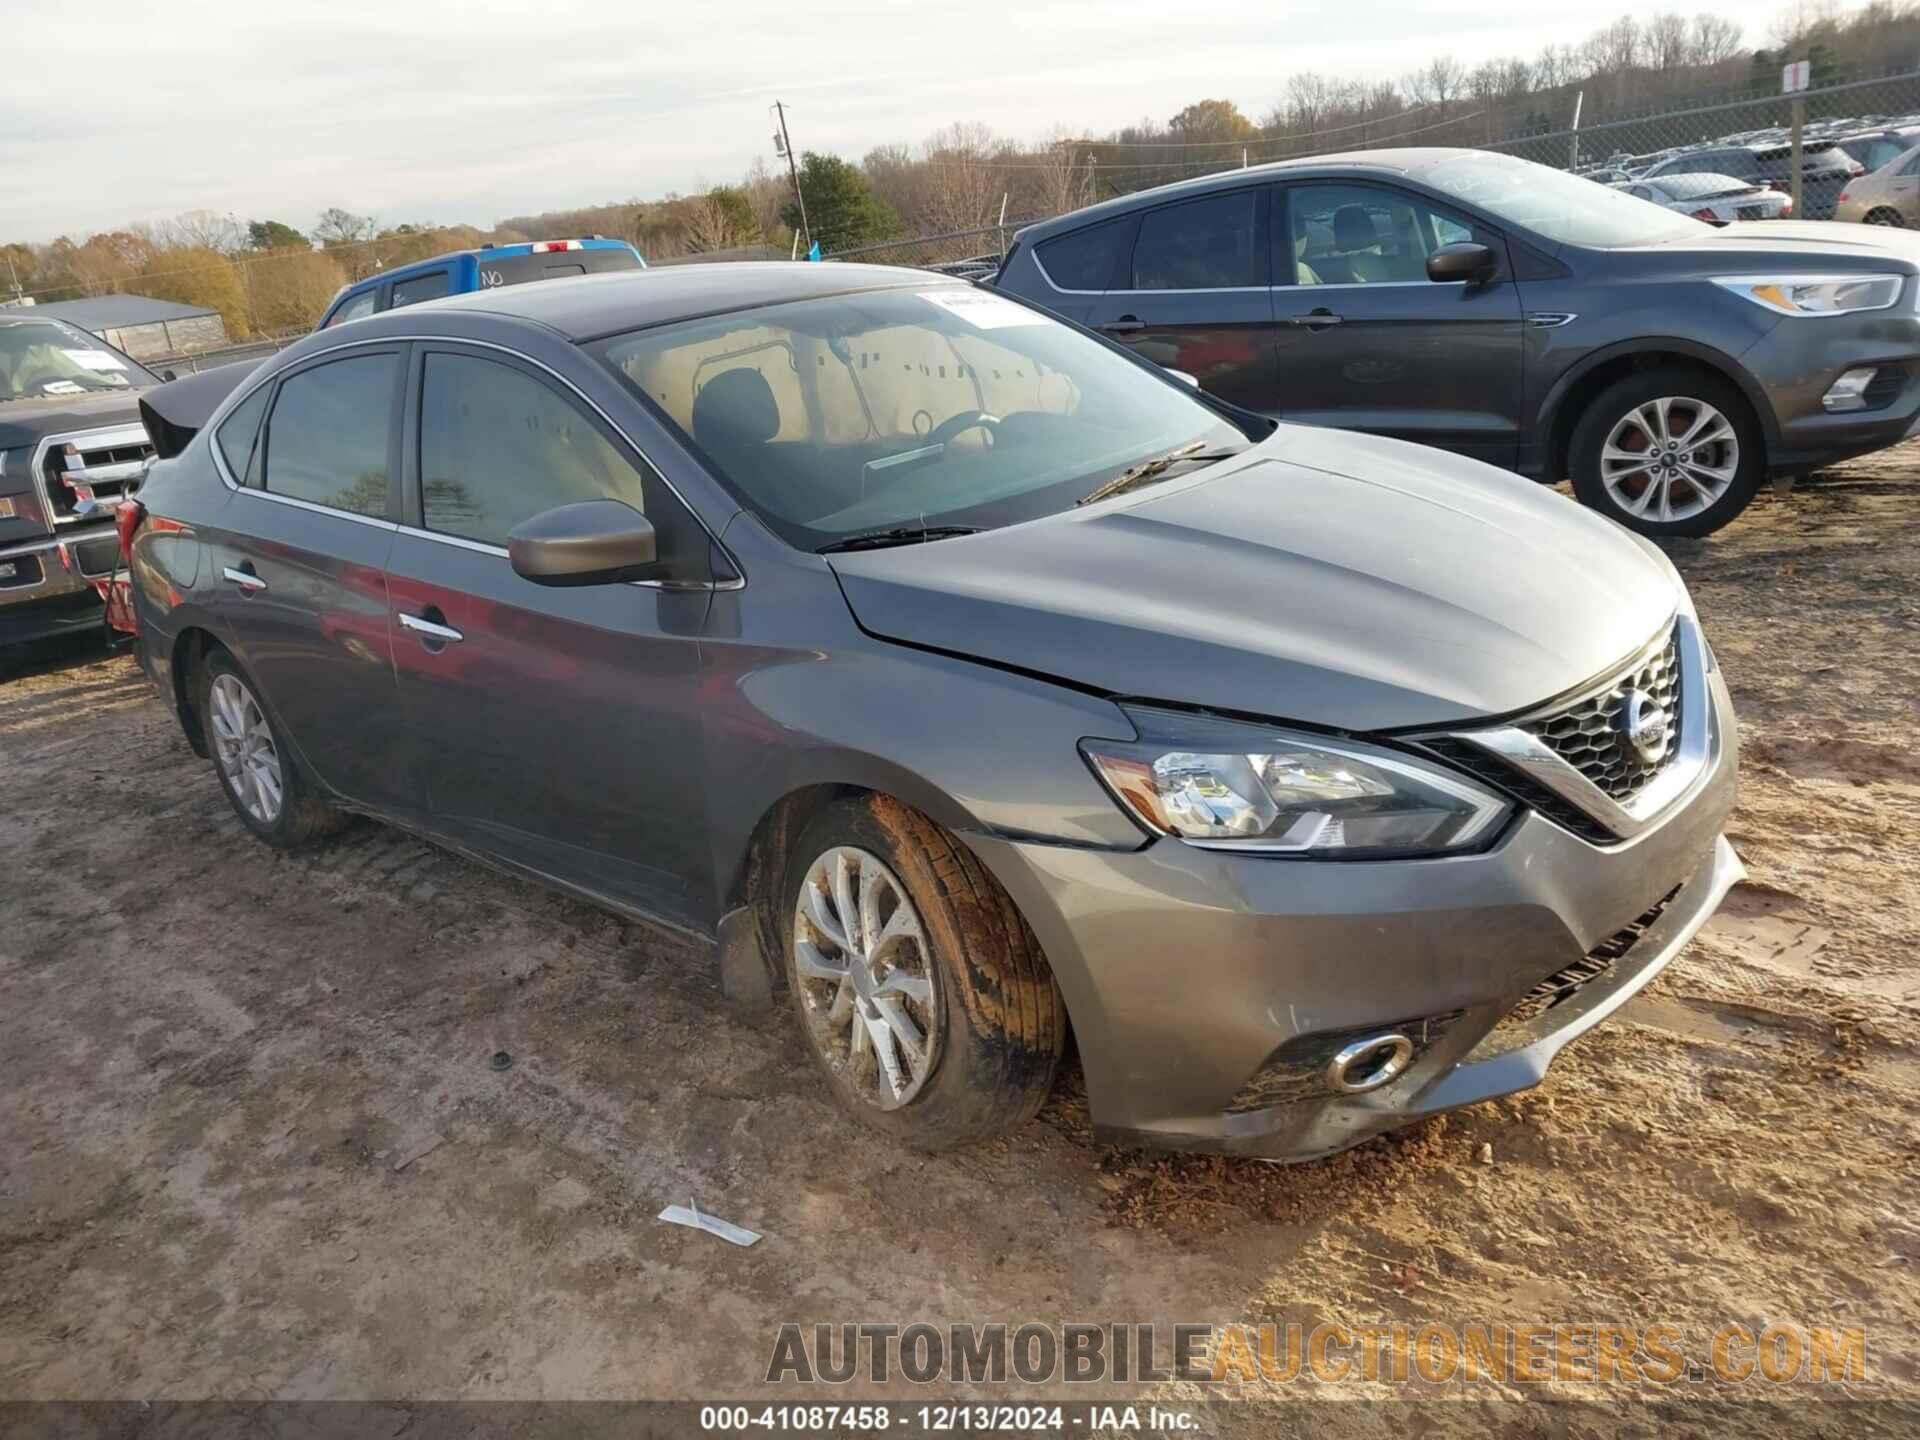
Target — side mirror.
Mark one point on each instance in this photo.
(1463, 260)
(596, 542)
(169, 375)
(1184, 378)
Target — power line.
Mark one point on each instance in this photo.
(1304, 134)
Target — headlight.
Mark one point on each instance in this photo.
(1227, 786)
(1816, 294)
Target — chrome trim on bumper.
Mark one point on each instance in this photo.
(107, 437)
(1699, 744)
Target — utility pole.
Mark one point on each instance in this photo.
(1573, 143)
(782, 145)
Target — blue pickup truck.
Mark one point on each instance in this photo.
(482, 269)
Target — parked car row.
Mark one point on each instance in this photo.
(974, 677)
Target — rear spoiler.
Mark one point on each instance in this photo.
(174, 412)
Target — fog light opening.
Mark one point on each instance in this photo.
(1370, 1063)
(1849, 392)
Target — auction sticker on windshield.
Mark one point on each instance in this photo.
(983, 311)
(95, 360)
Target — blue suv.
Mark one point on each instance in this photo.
(482, 269)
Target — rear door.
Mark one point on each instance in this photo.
(1367, 342)
(300, 553)
(1194, 295)
(555, 727)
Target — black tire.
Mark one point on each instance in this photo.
(302, 817)
(1000, 1026)
(1620, 400)
(1884, 216)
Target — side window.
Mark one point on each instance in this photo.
(430, 286)
(1644, 192)
(1201, 245)
(498, 447)
(1085, 259)
(328, 436)
(1912, 167)
(358, 307)
(1366, 235)
(237, 433)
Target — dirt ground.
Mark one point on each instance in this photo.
(254, 1147)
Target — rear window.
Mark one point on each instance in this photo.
(1084, 259)
(553, 265)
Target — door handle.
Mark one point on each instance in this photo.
(243, 576)
(1125, 325)
(431, 631)
(1316, 319)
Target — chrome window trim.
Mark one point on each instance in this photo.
(239, 397)
(1699, 749)
(378, 522)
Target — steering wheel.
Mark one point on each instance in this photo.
(959, 424)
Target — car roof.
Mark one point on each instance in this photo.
(1410, 160)
(585, 307)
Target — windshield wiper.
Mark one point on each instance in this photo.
(1151, 470)
(898, 535)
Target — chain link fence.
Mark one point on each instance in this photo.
(1874, 119)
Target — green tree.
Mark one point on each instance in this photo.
(272, 235)
(842, 211)
(1212, 120)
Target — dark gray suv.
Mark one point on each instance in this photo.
(1511, 313)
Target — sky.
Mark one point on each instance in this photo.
(469, 112)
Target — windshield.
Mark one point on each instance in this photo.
(910, 409)
(43, 358)
(1557, 206)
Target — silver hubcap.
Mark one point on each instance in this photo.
(1670, 459)
(866, 976)
(244, 746)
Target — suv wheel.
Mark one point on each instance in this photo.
(1667, 453)
(255, 768)
(921, 991)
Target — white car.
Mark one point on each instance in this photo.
(1717, 199)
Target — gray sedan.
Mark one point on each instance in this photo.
(964, 676)
(1717, 199)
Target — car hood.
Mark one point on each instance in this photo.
(1805, 244)
(1337, 580)
(23, 422)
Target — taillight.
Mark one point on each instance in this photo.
(1843, 198)
(126, 519)
(1705, 213)
(543, 247)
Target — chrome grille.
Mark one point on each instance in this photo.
(1590, 734)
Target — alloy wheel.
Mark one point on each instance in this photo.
(866, 976)
(243, 743)
(1670, 459)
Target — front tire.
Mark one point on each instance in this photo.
(1669, 453)
(256, 769)
(921, 992)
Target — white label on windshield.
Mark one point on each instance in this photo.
(62, 387)
(95, 360)
(983, 311)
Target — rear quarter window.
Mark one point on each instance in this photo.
(1084, 259)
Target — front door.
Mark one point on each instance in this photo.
(553, 727)
(1195, 297)
(300, 553)
(1367, 342)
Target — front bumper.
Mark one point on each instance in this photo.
(1207, 988)
(52, 589)
(1799, 359)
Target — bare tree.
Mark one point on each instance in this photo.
(1442, 82)
(342, 227)
(1669, 42)
(1714, 40)
(963, 185)
(1064, 173)
(205, 229)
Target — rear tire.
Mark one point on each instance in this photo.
(257, 771)
(1887, 217)
(1670, 452)
(955, 1029)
